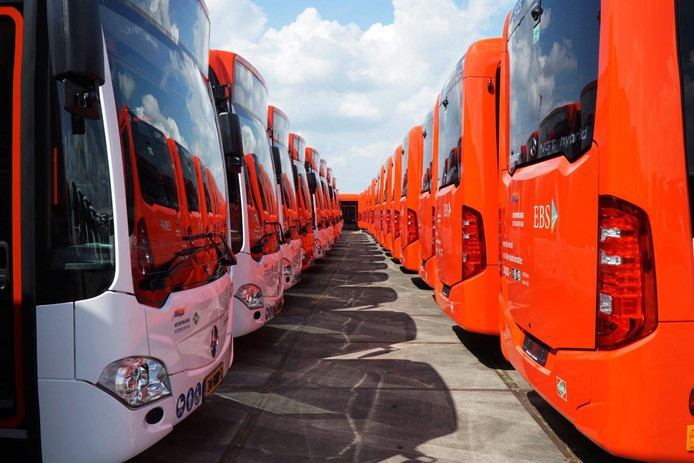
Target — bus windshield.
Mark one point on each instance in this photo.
(158, 67)
(428, 152)
(554, 71)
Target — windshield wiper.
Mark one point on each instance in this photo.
(156, 280)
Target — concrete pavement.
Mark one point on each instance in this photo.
(362, 366)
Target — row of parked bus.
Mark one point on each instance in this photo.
(153, 207)
(548, 198)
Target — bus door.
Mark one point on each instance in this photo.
(550, 205)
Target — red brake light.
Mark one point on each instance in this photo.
(626, 305)
(474, 248)
(412, 233)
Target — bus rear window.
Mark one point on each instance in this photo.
(685, 42)
(553, 70)
(154, 166)
(428, 152)
(405, 150)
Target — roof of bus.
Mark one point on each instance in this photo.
(229, 59)
(349, 197)
(483, 56)
(275, 110)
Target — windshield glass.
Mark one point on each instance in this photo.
(405, 157)
(553, 69)
(280, 129)
(160, 91)
(451, 128)
(255, 142)
(249, 92)
(428, 152)
(685, 38)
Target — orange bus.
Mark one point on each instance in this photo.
(386, 212)
(394, 204)
(427, 217)
(466, 202)
(409, 198)
(597, 299)
(297, 150)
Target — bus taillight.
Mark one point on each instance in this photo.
(474, 249)
(412, 230)
(626, 305)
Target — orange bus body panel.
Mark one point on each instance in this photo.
(471, 299)
(632, 400)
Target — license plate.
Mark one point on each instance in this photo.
(269, 313)
(535, 350)
(214, 379)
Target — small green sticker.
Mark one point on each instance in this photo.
(196, 317)
(536, 33)
(150, 151)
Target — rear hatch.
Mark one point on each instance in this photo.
(549, 234)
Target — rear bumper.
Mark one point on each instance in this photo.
(397, 248)
(427, 271)
(409, 257)
(473, 303)
(388, 242)
(631, 401)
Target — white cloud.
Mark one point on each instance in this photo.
(353, 93)
(151, 112)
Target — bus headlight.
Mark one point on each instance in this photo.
(251, 296)
(137, 381)
(286, 267)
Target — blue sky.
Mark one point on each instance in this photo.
(361, 12)
(354, 76)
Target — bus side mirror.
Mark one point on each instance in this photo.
(277, 161)
(312, 182)
(77, 54)
(232, 141)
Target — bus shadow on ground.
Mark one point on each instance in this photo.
(420, 284)
(485, 347)
(326, 380)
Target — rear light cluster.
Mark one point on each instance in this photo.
(626, 305)
(396, 224)
(474, 248)
(412, 233)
